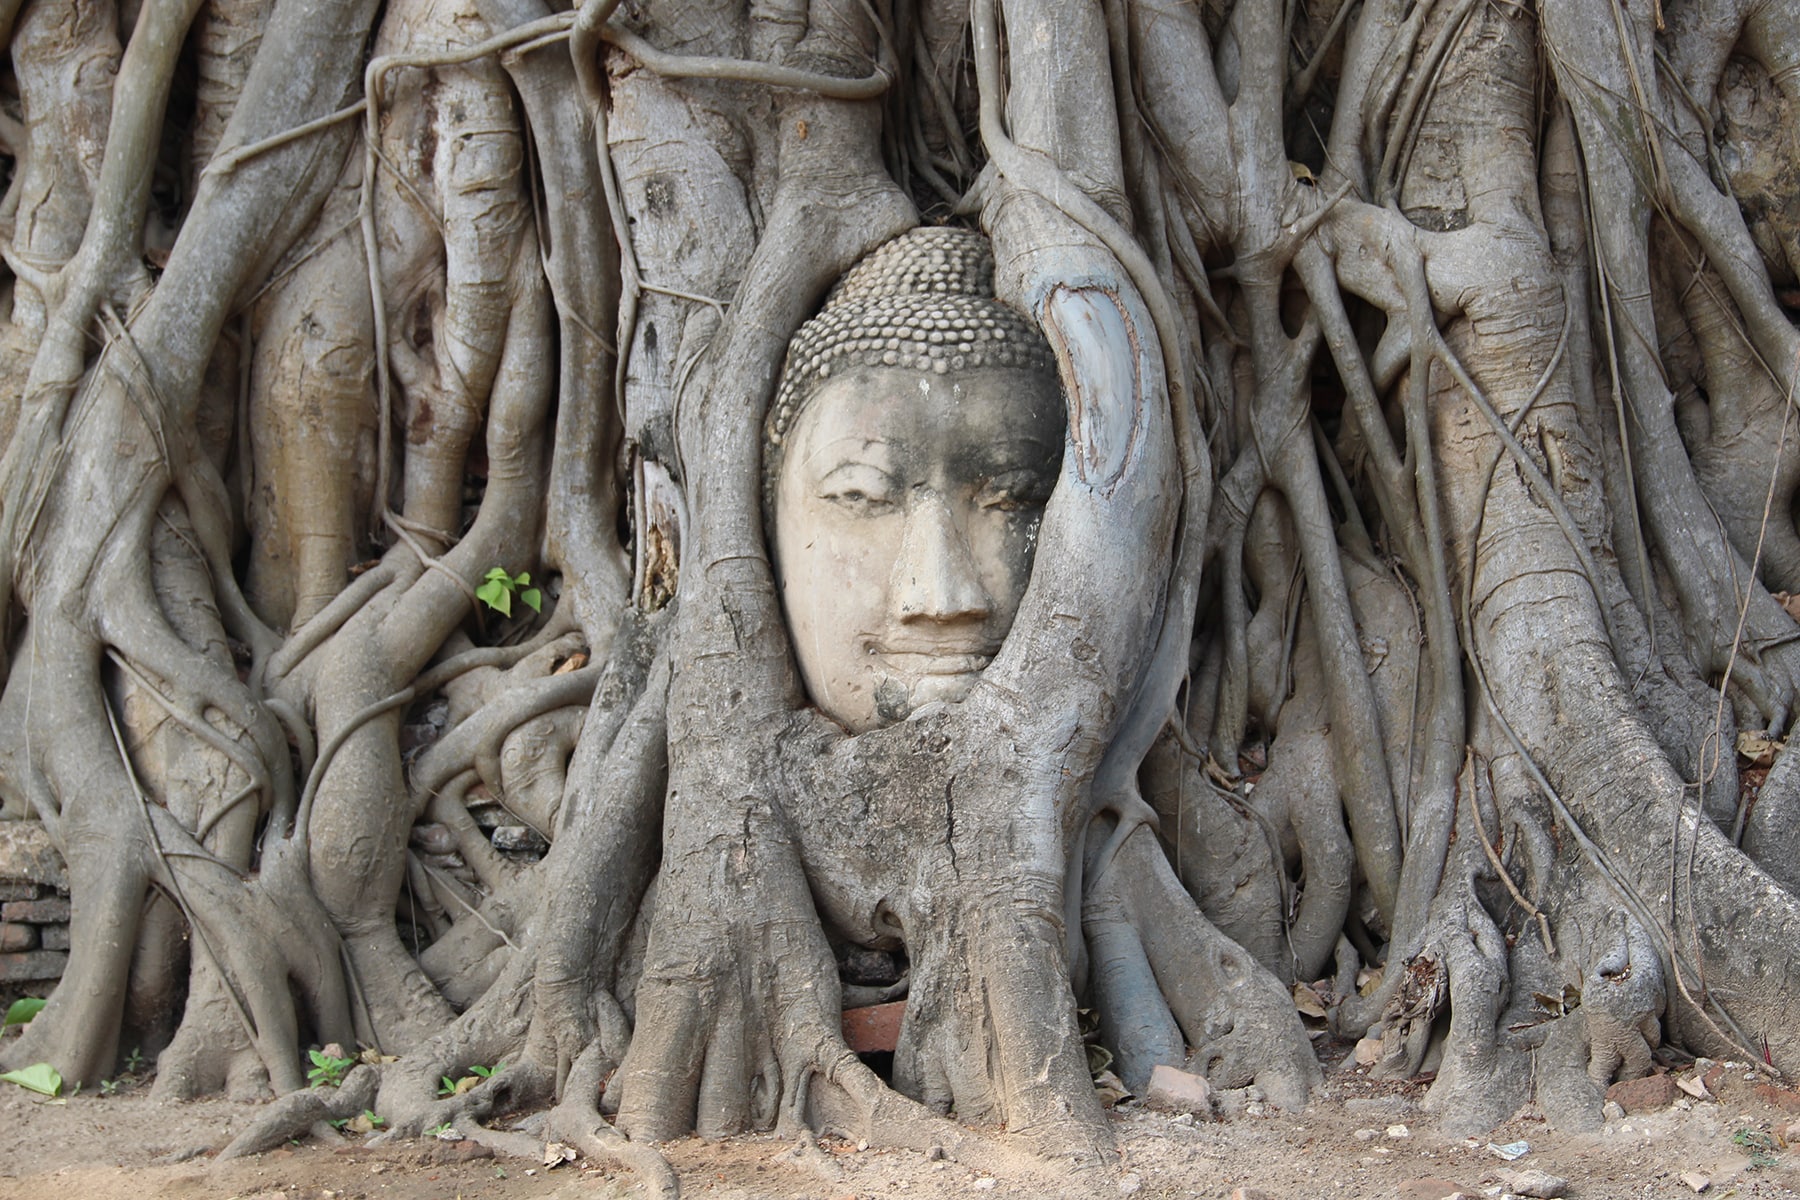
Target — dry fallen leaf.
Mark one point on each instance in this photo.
(1307, 1001)
(1759, 749)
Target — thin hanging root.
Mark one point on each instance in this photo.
(1493, 857)
(1602, 863)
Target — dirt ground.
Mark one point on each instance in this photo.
(1359, 1140)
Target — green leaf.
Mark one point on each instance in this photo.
(23, 1009)
(521, 579)
(533, 598)
(496, 595)
(38, 1077)
(497, 575)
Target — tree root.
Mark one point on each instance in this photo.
(297, 1112)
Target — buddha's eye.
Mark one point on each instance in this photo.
(857, 498)
(1014, 491)
(859, 488)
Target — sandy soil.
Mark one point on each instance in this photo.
(1359, 1140)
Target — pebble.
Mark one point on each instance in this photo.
(1535, 1183)
(983, 1184)
(1696, 1180)
(1178, 1090)
(1130, 1183)
(1366, 1135)
(1612, 1110)
(1398, 1131)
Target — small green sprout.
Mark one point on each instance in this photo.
(499, 588)
(327, 1070)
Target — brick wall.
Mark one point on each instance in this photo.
(34, 912)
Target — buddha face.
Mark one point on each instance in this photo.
(906, 515)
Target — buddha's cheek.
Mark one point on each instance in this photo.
(834, 589)
(1003, 544)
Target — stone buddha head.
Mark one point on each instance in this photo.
(914, 440)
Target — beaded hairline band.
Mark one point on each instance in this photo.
(923, 301)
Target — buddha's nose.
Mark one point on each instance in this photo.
(935, 576)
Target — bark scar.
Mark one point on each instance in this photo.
(950, 825)
(1099, 354)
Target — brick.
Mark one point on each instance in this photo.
(18, 889)
(14, 938)
(1653, 1093)
(32, 966)
(27, 856)
(53, 937)
(1780, 1097)
(876, 1027)
(47, 911)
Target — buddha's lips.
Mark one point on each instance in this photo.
(915, 659)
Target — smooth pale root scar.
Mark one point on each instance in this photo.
(1101, 357)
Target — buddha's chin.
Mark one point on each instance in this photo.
(899, 695)
(947, 689)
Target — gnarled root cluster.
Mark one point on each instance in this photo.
(395, 655)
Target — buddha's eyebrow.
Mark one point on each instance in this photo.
(852, 449)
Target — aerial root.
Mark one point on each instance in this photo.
(576, 1122)
(1233, 1011)
(297, 1112)
(845, 1097)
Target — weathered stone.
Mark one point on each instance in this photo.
(1250, 1193)
(1696, 1180)
(1653, 1093)
(436, 1152)
(1532, 1182)
(875, 1027)
(1692, 1086)
(47, 911)
(14, 938)
(519, 839)
(30, 966)
(26, 855)
(53, 937)
(1178, 1090)
(19, 889)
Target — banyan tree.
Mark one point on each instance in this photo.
(597, 539)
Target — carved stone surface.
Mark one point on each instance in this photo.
(909, 473)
